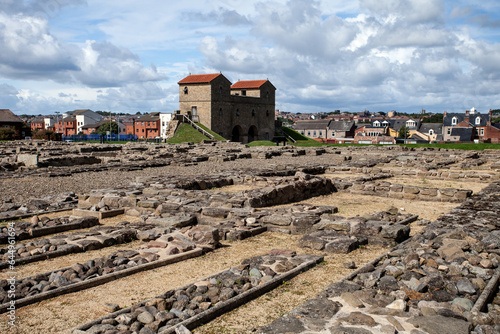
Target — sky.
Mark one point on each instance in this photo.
(127, 55)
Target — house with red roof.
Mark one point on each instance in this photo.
(242, 112)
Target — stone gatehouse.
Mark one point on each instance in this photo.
(242, 112)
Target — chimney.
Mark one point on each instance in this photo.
(489, 118)
(466, 118)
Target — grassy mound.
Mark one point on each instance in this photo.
(216, 135)
(302, 140)
(186, 133)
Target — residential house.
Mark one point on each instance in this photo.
(468, 126)
(37, 124)
(165, 118)
(341, 129)
(73, 121)
(8, 120)
(315, 129)
(429, 132)
(148, 126)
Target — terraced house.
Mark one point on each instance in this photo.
(242, 112)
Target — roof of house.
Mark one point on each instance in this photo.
(464, 134)
(154, 116)
(249, 84)
(311, 125)
(199, 78)
(94, 126)
(436, 127)
(483, 119)
(8, 116)
(341, 125)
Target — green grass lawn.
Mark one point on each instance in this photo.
(302, 141)
(459, 146)
(186, 133)
(216, 135)
(261, 143)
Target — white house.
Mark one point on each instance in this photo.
(165, 118)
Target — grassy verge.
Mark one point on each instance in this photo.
(216, 135)
(459, 146)
(302, 141)
(186, 133)
(261, 143)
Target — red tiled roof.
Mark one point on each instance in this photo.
(199, 78)
(248, 84)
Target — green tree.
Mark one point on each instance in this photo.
(47, 135)
(404, 132)
(436, 118)
(104, 128)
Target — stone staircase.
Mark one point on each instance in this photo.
(171, 128)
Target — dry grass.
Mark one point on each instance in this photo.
(60, 314)
(470, 184)
(351, 205)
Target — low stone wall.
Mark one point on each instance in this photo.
(203, 300)
(338, 234)
(35, 229)
(432, 283)
(162, 249)
(387, 189)
(435, 174)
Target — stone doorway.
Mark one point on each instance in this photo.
(252, 133)
(236, 134)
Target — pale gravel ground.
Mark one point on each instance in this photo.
(60, 314)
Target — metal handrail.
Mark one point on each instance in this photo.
(287, 136)
(197, 127)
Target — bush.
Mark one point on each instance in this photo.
(6, 133)
(47, 135)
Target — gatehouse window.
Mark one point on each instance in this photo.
(237, 112)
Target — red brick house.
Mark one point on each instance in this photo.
(147, 126)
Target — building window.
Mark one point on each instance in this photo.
(454, 121)
(320, 133)
(449, 131)
(314, 133)
(136, 130)
(142, 130)
(482, 132)
(162, 123)
(431, 132)
(237, 112)
(478, 120)
(267, 113)
(308, 133)
(142, 123)
(302, 132)
(267, 95)
(253, 112)
(267, 136)
(333, 133)
(243, 92)
(185, 90)
(376, 123)
(220, 90)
